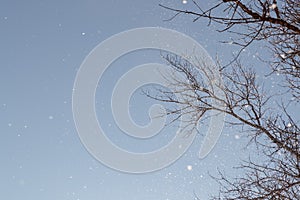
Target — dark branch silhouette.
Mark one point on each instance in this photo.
(276, 132)
(278, 23)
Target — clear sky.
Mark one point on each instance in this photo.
(42, 45)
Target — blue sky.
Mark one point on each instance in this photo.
(43, 44)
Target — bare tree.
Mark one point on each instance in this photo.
(278, 23)
(276, 132)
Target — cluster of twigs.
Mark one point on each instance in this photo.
(276, 132)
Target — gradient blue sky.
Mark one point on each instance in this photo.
(43, 44)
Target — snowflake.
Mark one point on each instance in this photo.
(189, 167)
(273, 6)
(283, 56)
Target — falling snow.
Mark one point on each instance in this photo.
(179, 176)
(237, 137)
(273, 6)
(283, 56)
